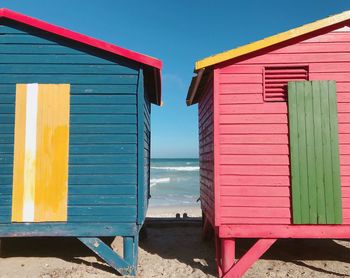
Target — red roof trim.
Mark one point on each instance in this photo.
(143, 59)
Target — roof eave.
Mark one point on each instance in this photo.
(192, 90)
(158, 86)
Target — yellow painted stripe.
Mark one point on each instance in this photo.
(40, 179)
(51, 192)
(18, 163)
(281, 37)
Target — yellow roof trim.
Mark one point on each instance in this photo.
(269, 41)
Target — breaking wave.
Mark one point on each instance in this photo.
(181, 168)
(154, 182)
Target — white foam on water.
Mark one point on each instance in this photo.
(160, 180)
(181, 168)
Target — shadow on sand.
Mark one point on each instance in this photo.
(183, 243)
(65, 248)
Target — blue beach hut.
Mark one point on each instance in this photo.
(74, 136)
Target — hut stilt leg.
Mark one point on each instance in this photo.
(218, 255)
(126, 265)
(130, 251)
(249, 258)
(227, 254)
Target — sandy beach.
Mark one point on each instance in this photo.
(171, 250)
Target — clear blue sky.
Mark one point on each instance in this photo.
(178, 32)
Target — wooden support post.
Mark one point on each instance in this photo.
(136, 252)
(227, 254)
(126, 265)
(249, 258)
(218, 255)
(130, 251)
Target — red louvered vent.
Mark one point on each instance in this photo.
(276, 80)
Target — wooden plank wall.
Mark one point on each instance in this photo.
(206, 151)
(254, 150)
(147, 150)
(103, 123)
(144, 149)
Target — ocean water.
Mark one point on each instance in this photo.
(174, 182)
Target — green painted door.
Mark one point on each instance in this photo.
(314, 153)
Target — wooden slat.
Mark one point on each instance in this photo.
(237, 88)
(69, 59)
(68, 78)
(103, 129)
(334, 37)
(280, 181)
(263, 202)
(335, 152)
(19, 154)
(255, 220)
(254, 129)
(302, 58)
(254, 139)
(102, 149)
(254, 149)
(112, 179)
(255, 170)
(249, 211)
(327, 162)
(310, 139)
(254, 119)
(339, 76)
(254, 159)
(294, 152)
(255, 191)
(102, 159)
(236, 98)
(321, 205)
(262, 108)
(242, 78)
(64, 69)
(126, 92)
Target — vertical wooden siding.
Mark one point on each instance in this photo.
(144, 149)
(254, 150)
(147, 150)
(206, 151)
(103, 123)
(314, 153)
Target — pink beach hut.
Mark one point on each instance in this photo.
(274, 133)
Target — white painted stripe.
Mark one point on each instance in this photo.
(30, 152)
